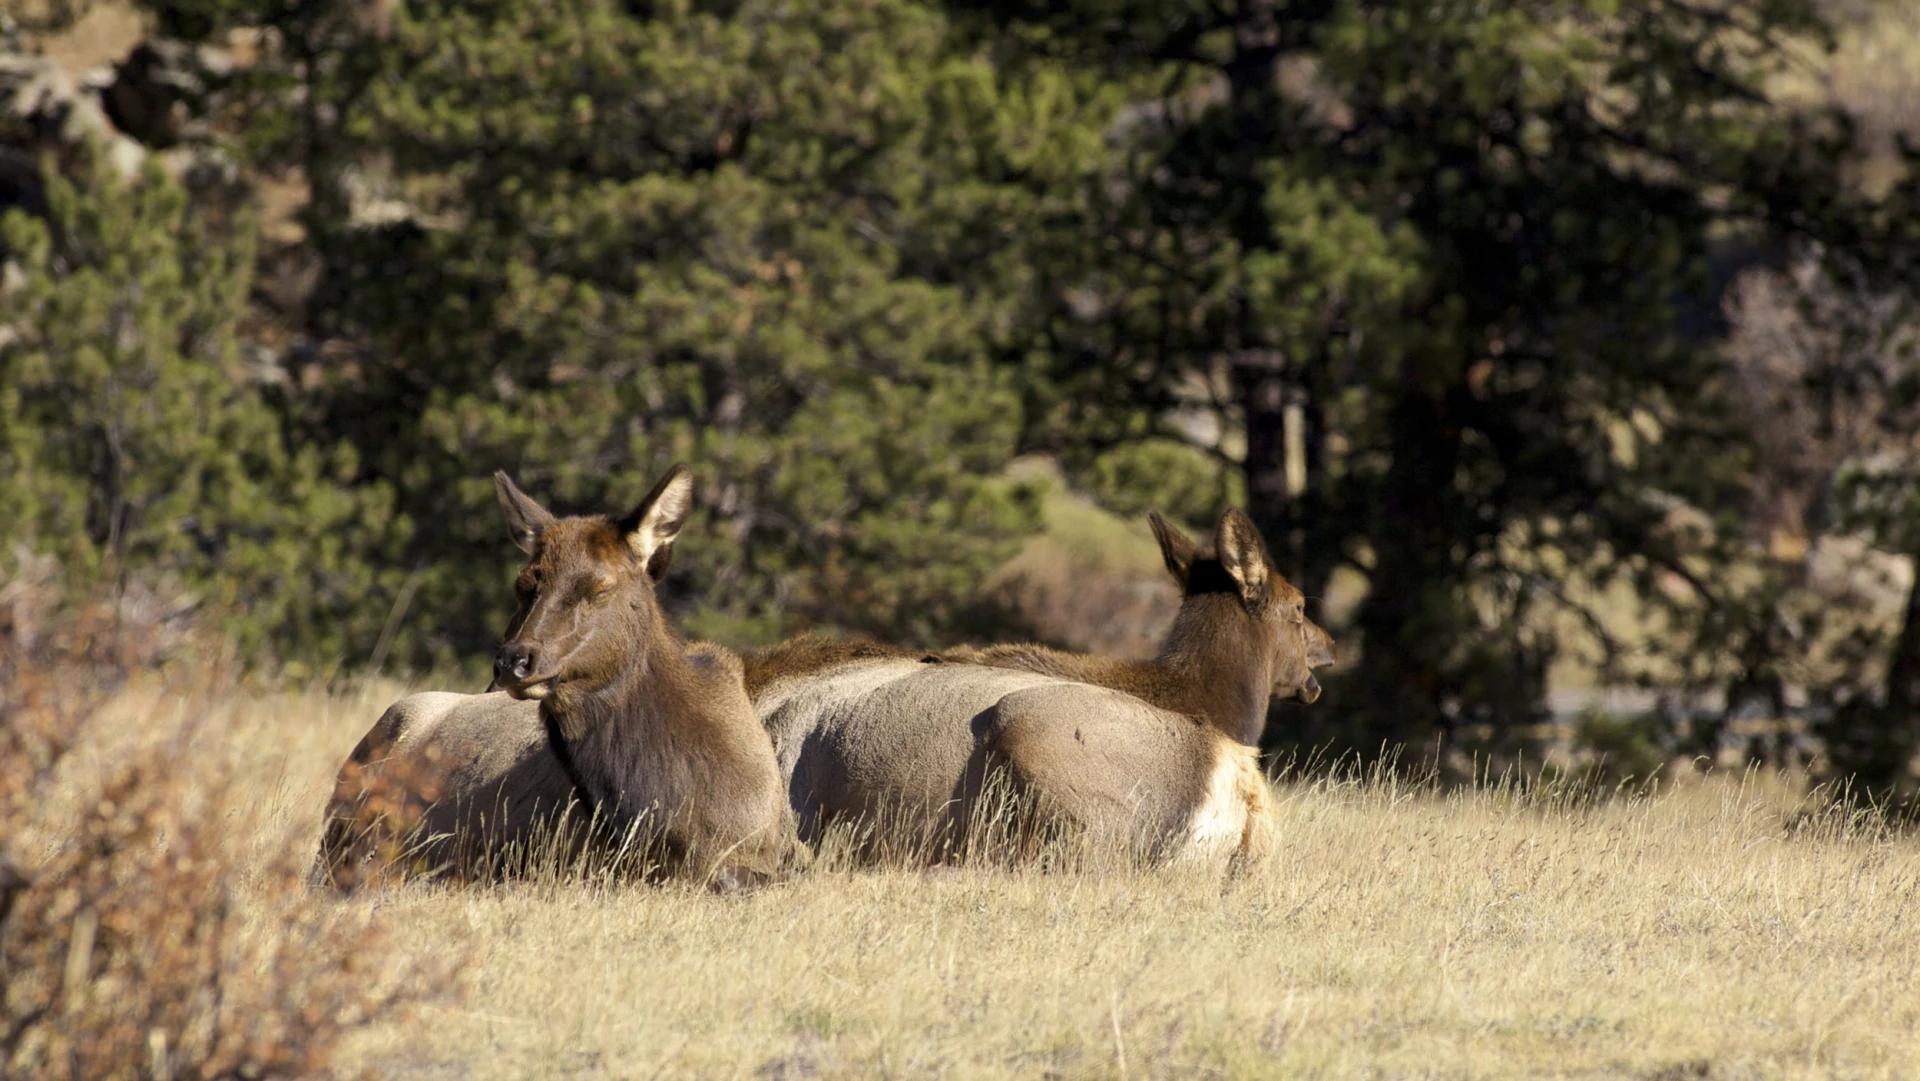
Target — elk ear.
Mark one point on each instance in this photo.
(525, 518)
(1244, 555)
(1175, 547)
(653, 525)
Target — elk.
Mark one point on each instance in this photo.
(657, 737)
(866, 733)
(457, 784)
(1154, 754)
(1242, 636)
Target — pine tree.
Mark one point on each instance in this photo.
(783, 243)
(1466, 252)
(140, 449)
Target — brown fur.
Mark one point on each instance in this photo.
(908, 747)
(808, 653)
(1241, 637)
(1104, 761)
(659, 736)
(447, 784)
(653, 734)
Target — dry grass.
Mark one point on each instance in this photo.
(1717, 930)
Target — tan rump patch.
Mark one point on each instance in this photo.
(1235, 814)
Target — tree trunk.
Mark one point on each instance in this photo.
(1317, 551)
(1261, 394)
(1903, 667)
(12, 882)
(1405, 620)
(1257, 373)
(1289, 516)
(1872, 742)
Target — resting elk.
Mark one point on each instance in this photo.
(601, 701)
(1159, 759)
(1242, 636)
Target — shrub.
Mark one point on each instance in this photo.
(138, 941)
(1619, 748)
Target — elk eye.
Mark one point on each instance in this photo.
(600, 587)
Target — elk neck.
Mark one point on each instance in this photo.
(1214, 666)
(606, 735)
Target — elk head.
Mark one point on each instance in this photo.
(1271, 616)
(586, 595)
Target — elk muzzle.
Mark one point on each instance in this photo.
(1319, 648)
(1320, 651)
(513, 671)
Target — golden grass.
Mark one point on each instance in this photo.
(1716, 930)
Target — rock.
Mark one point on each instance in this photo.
(43, 110)
(152, 93)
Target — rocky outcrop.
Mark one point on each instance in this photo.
(43, 111)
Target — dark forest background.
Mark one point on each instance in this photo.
(1563, 349)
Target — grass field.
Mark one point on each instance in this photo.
(1717, 930)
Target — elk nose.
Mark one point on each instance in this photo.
(512, 663)
(1320, 651)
